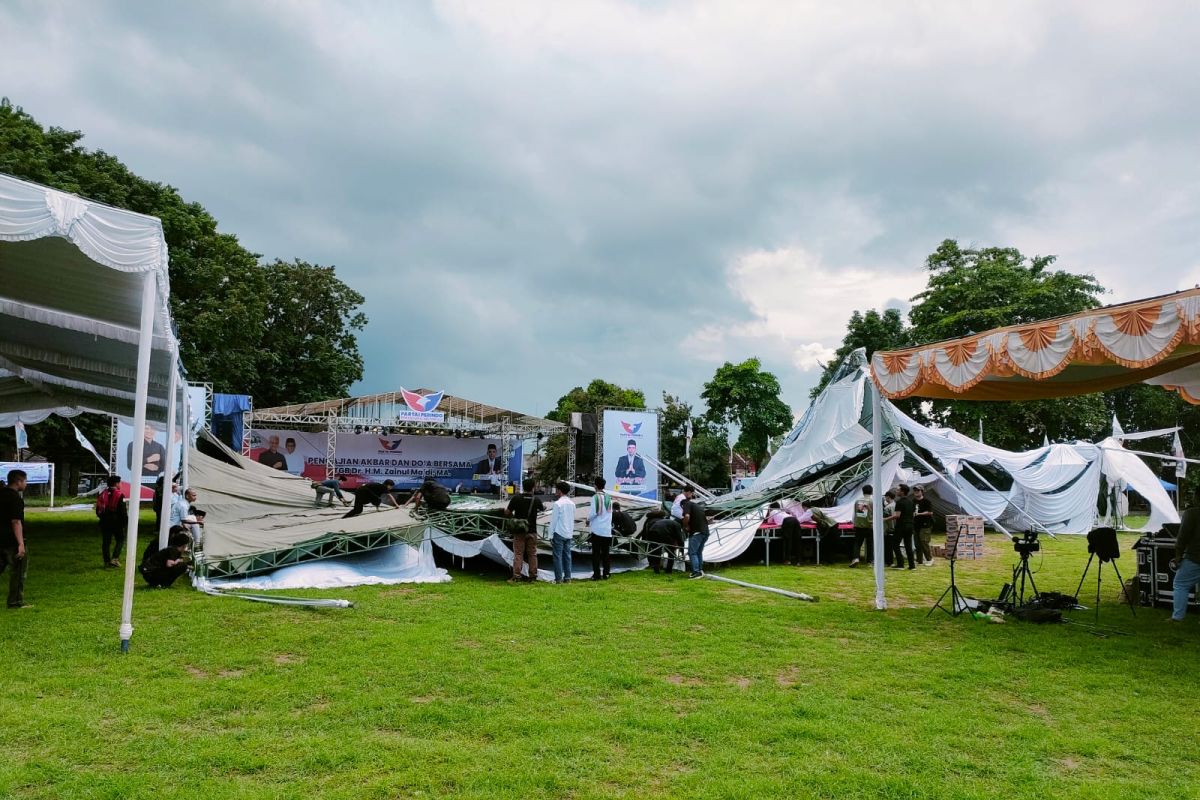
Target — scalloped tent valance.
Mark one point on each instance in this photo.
(1155, 341)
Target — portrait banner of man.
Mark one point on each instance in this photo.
(629, 438)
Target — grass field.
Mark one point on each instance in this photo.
(641, 686)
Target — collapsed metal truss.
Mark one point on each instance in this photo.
(327, 546)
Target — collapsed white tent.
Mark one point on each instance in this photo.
(1053, 488)
(84, 309)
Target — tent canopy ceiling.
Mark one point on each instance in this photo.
(1155, 341)
(71, 283)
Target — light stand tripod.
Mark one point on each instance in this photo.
(958, 601)
(1103, 544)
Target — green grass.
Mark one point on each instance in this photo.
(642, 686)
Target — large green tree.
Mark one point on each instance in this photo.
(975, 289)
(230, 309)
(707, 460)
(746, 395)
(870, 330)
(971, 290)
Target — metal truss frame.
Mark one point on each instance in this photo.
(327, 546)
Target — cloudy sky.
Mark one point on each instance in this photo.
(531, 195)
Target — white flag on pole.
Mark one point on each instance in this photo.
(687, 442)
(22, 436)
(1180, 465)
(86, 445)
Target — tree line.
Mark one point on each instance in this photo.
(283, 331)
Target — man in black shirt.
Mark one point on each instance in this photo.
(922, 526)
(906, 508)
(12, 537)
(622, 523)
(525, 507)
(665, 531)
(373, 493)
(695, 524)
(271, 457)
(154, 455)
(162, 567)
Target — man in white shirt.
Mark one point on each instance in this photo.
(600, 523)
(562, 532)
(677, 506)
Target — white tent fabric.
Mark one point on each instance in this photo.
(86, 322)
(70, 304)
(495, 548)
(253, 509)
(1054, 487)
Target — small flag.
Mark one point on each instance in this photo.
(86, 445)
(22, 436)
(687, 443)
(1180, 465)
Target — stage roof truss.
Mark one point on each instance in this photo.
(382, 410)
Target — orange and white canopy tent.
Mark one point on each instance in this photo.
(1154, 341)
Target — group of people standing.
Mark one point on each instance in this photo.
(605, 519)
(907, 525)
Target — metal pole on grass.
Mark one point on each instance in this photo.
(145, 343)
(877, 494)
(168, 468)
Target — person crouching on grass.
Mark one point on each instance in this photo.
(162, 567)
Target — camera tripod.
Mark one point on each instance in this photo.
(1014, 593)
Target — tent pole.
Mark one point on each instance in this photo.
(877, 496)
(145, 343)
(187, 434)
(957, 490)
(1008, 500)
(168, 468)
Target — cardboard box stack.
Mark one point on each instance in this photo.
(964, 536)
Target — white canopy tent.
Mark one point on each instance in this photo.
(86, 322)
(1155, 341)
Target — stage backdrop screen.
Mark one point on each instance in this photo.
(456, 463)
(627, 436)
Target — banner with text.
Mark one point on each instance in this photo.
(464, 464)
(35, 471)
(627, 436)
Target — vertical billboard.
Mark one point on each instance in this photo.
(628, 436)
(154, 452)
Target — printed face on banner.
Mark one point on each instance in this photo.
(464, 464)
(154, 452)
(628, 436)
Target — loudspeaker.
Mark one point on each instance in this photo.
(1103, 543)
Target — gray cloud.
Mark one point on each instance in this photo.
(531, 197)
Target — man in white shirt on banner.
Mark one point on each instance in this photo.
(600, 523)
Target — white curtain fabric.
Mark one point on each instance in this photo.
(495, 548)
(1056, 486)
